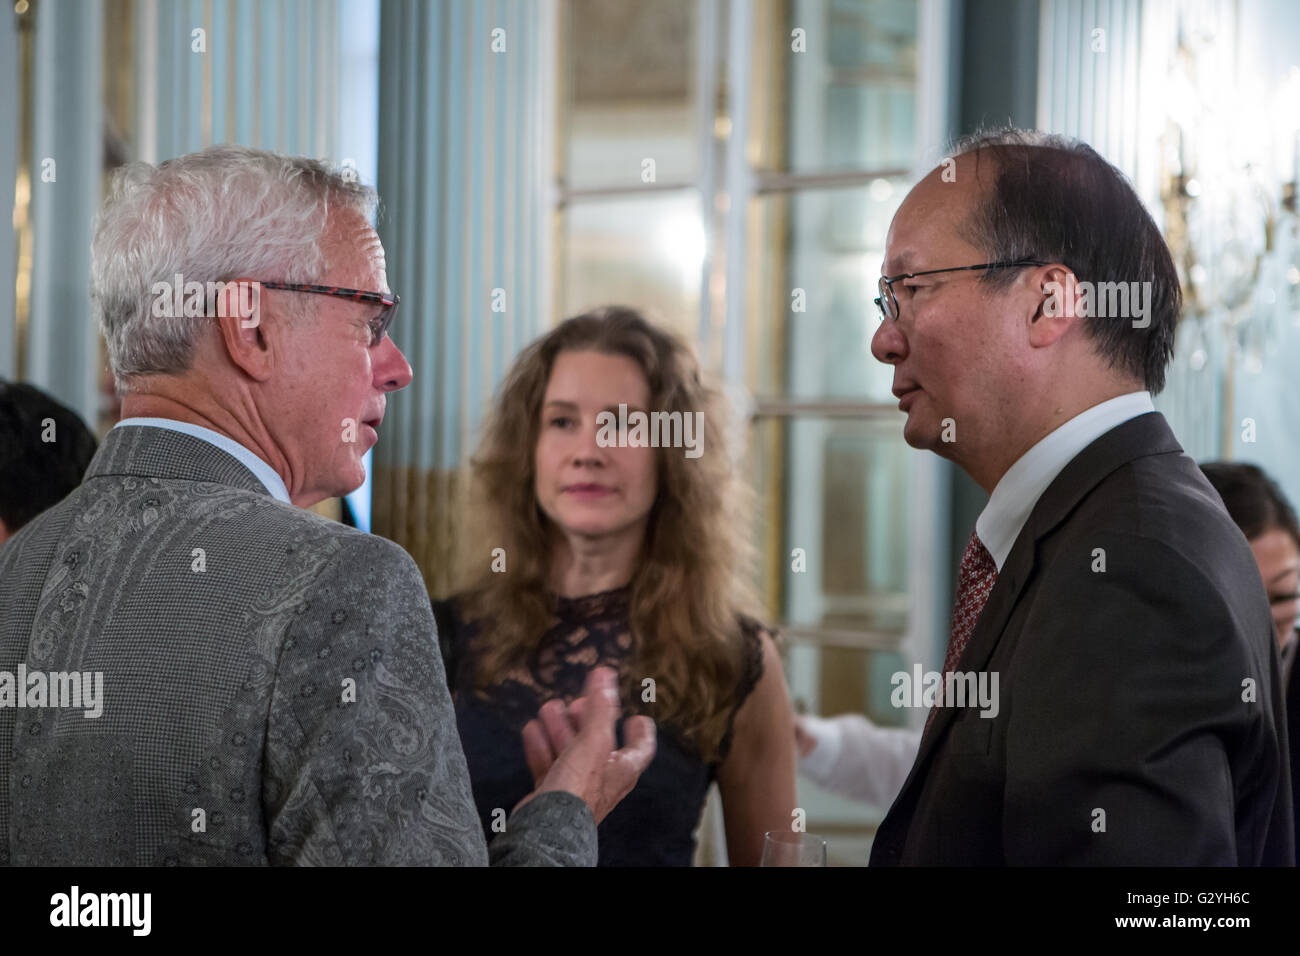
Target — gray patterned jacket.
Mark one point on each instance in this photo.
(272, 689)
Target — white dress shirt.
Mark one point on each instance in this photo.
(1019, 489)
(264, 473)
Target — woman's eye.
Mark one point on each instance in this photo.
(561, 421)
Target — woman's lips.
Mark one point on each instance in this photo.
(589, 491)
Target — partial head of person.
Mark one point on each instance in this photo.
(1265, 516)
(1024, 282)
(562, 468)
(44, 450)
(245, 291)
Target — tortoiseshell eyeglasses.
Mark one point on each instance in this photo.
(378, 326)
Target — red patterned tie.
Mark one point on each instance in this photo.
(975, 580)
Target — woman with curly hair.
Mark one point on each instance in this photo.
(589, 547)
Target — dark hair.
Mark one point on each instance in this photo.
(1055, 199)
(1253, 499)
(36, 473)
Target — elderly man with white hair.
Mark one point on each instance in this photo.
(270, 685)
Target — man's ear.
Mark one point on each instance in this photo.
(239, 317)
(1060, 305)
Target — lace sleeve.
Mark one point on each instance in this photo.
(751, 672)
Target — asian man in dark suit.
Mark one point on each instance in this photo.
(1138, 715)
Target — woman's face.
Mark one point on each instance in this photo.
(586, 489)
(1278, 558)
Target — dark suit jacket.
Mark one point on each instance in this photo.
(1293, 734)
(273, 689)
(1140, 716)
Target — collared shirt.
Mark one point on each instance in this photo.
(1018, 491)
(264, 473)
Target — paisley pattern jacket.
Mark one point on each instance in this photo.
(272, 687)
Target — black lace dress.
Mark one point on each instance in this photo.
(654, 824)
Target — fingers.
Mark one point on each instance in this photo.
(626, 765)
(573, 747)
(555, 719)
(805, 743)
(556, 726)
(600, 707)
(577, 712)
(537, 750)
(639, 742)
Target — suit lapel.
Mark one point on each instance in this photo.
(988, 629)
(1147, 434)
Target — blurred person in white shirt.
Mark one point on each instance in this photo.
(853, 757)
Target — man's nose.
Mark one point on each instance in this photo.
(888, 345)
(392, 371)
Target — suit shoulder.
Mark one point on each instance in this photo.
(287, 549)
(1156, 531)
(1165, 500)
(276, 526)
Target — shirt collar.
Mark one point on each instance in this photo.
(1018, 491)
(264, 473)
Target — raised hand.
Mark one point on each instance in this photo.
(572, 747)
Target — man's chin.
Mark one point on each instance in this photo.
(352, 484)
(919, 434)
(340, 489)
(925, 435)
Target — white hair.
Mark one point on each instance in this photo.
(223, 213)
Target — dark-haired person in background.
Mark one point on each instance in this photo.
(1139, 715)
(1266, 518)
(44, 450)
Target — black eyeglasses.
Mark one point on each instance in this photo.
(888, 304)
(378, 328)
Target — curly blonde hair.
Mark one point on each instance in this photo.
(691, 593)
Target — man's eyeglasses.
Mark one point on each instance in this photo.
(888, 304)
(378, 328)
